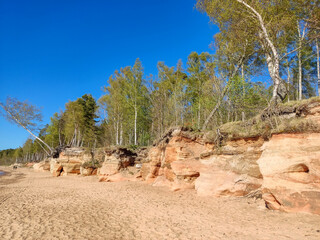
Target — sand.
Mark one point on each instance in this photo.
(39, 206)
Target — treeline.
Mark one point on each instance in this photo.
(276, 42)
(31, 151)
(138, 110)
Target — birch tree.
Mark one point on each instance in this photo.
(24, 115)
(264, 23)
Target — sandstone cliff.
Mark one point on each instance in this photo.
(277, 159)
(283, 168)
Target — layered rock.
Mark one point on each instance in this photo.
(174, 161)
(88, 171)
(290, 164)
(284, 169)
(69, 161)
(232, 169)
(42, 166)
(116, 160)
(184, 160)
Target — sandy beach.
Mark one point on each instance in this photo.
(38, 206)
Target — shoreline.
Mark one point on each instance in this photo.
(3, 173)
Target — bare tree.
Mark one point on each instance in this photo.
(25, 115)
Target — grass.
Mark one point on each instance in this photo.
(286, 118)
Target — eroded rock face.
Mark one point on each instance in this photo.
(174, 162)
(88, 171)
(69, 162)
(290, 164)
(116, 160)
(232, 169)
(42, 166)
(182, 162)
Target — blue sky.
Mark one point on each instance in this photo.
(55, 51)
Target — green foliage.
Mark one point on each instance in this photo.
(7, 156)
(53, 130)
(21, 113)
(257, 33)
(127, 105)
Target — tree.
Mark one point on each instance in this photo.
(126, 106)
(89, 108)
(54, 135)
(265, 26)
(114, 104)
(25, 115)
(198, 68)
(79, 121)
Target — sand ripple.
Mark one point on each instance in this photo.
(38, 206)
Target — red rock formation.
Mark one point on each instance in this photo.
(290, 164)
(183, 161)
(69, 162)
(232, 169)
(174, 162)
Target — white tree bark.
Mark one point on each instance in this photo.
(273, 61)
(135, 123)
(288, 82)
(318, 65)
(121, 134)
(39, 139)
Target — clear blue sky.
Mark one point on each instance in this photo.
(53, 51)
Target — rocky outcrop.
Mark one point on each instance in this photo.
(290, 164)
(184, 160)
(174, 161)
(69, 161)
(116, 160)
(42, 166)
(284, 169)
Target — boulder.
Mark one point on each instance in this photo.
(30, 164)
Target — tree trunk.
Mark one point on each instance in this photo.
(318, 65)
(199, 109)
(299, 76)
(299, 65)
(273, 62)
(288, 82)
(117, 131)
(135, 123)
(121, 134)
(39, 139)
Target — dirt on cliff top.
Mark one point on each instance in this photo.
(285, 118)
